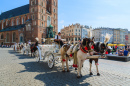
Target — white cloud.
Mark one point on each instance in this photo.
(62, 21)
(62, 26)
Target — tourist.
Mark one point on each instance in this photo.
(108, 50)
(120, 53)
(126, 52)
(29, 42)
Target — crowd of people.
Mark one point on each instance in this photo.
(6, 46)
(119, 51)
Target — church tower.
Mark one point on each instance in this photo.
(43, 14)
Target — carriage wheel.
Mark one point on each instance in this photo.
(51, 61)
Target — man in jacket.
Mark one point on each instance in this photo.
(58, 39)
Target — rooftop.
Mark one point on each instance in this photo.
(13, 28)
(15, 12)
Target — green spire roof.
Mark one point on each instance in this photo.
(50, 25)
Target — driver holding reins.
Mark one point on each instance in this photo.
(58, 39)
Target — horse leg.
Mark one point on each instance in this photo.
(67, 64)
(97, 67)
(31, 53)
(90, 62)
(63, 70)
(79, 62)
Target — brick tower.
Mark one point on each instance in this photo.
(43, 14)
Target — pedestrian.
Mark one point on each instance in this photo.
(29, 42)
(126, 52)
(120, 53)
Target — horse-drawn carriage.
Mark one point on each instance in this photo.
(52, 51)
(49, 51)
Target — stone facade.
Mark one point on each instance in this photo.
(116, 35)
(129, 37)
(119, 36)
(71, 32)
(33, 19)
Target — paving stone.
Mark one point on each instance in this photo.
(21, 70)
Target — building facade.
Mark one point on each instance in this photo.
(74, 32)
(99, 33)
(129, 37)
(116, 36)
(84, 32)
(119, 35)
(71, 32)
(28, 22)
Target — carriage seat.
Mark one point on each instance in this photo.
(57, 47)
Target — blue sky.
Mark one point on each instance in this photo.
(95, 13)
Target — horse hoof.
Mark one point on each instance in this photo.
(98, 74)
(91, 73)
(81, 75)
(63, 71)
(78, 77)
(68, 70)
(75, 68)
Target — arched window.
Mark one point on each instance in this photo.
(42, 24)
(48, 21)
(2, 25)
(42, 3)
(2, 36)
(35, 1)
(14, 37)
(54, 10)
(17, 21)
(12, 23)
(21, 38)
(42, 17)
(42, 10)
(7, 37)
(54, 3)
(22, 20)
(6, 23)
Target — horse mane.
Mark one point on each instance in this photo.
(89, 33)
(86, 42)
(107, 37)
(96, 47)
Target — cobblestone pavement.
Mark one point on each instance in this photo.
(21, 70)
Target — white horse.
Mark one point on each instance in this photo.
(27, 50)
(24, 47)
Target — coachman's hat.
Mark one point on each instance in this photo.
(59, 33)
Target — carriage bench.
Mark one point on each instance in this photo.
(118, 58)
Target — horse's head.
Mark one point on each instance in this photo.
(103, 48)
(86, 41)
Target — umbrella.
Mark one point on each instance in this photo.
(114, 44)
(110, 44)
(121, 45)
